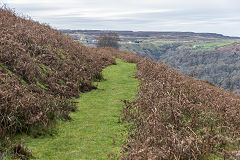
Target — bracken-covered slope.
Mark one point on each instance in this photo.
(40, 70)
(180, 117)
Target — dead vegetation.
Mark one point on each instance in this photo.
(40, 71)
(180, 117)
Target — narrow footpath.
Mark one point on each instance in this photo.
(94, 131)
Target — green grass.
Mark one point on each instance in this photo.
(94, 131)
(151, 47)
(210, 45)
(2, 66)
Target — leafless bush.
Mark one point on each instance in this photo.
(110, 39)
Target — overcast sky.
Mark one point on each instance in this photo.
(217, 16)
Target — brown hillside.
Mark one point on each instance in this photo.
(40, 69)
(180, 117)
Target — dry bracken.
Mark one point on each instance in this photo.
(180, 117)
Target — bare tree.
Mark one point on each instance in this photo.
(108, 40)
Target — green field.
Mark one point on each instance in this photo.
(94, 131)
(211, 45)
(155, 47)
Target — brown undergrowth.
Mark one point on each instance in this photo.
(180, 117)
(40, 71)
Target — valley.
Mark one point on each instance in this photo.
(207, 56)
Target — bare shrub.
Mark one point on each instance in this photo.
(108, 40)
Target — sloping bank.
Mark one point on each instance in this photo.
(40, 70)
(180, 117)
(95, 131)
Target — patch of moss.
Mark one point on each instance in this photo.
(62, 52)
(23, 82)
(41, 86)
(58, 50)
(61, 82)
(212, 157)
(8, 71)
(2, 66)
(44, 70)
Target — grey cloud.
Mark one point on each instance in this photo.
(222, 16)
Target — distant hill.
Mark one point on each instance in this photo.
(147, 35)
(151, 35)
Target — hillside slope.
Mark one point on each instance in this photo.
(89, 35)
(40, 69)
(181, 117)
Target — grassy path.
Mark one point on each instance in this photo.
(94, 131)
